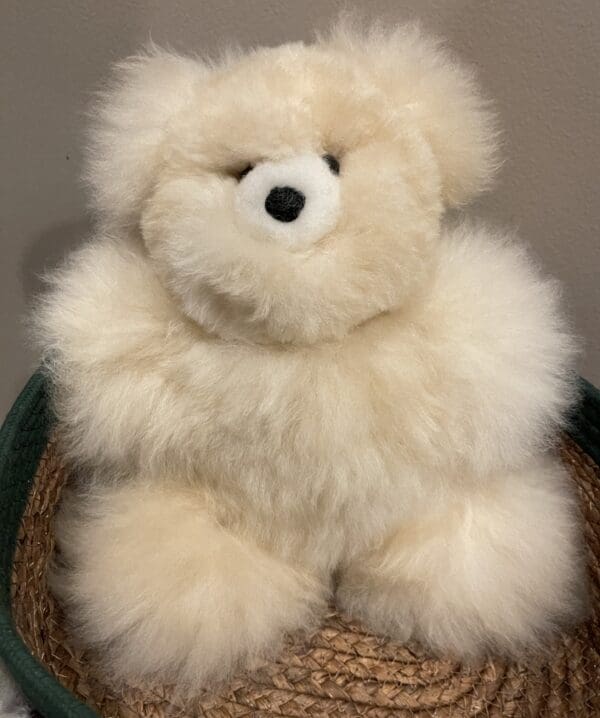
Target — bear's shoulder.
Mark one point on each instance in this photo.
(482, 362)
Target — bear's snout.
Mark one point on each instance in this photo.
(293, 202)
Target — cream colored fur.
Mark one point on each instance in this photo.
(249, 419)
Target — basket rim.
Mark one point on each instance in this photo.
(31, 418)
(25, 432)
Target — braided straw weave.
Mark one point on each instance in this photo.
(339, 671)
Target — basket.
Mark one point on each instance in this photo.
(341, 670)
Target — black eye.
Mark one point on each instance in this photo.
(333, 163)
(240, 175)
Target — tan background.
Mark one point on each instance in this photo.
(538, 58)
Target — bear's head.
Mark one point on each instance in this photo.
(291, 193)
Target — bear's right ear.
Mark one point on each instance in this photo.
(129, 128)
(437, 93)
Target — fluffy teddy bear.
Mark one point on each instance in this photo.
(282, 378)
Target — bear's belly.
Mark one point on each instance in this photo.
(303, 450)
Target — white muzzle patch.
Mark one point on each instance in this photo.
(294, 202)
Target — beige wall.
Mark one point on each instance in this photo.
(538, 58)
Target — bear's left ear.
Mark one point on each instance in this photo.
(129, 129)
(421, 76)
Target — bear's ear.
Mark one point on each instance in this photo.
(129, 127)
(419, 74)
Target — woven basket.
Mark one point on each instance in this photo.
(339, 671)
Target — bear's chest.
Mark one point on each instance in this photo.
(313, 436)
(350, 409)
(291, 447)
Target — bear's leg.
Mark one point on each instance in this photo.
(497, 569)
(148, 576)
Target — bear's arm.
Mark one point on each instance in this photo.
(500, 351)
(110, 335)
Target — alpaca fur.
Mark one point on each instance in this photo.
(250, 417)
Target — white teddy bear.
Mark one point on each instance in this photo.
(282, 379)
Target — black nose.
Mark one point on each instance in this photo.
(284, 203)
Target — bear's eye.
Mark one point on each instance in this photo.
(333, 163)
(241, 174)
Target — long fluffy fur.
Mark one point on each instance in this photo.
(164, 575)
(248, 420)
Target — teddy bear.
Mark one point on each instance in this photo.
(285, 373)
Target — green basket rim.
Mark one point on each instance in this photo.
(43, 692)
